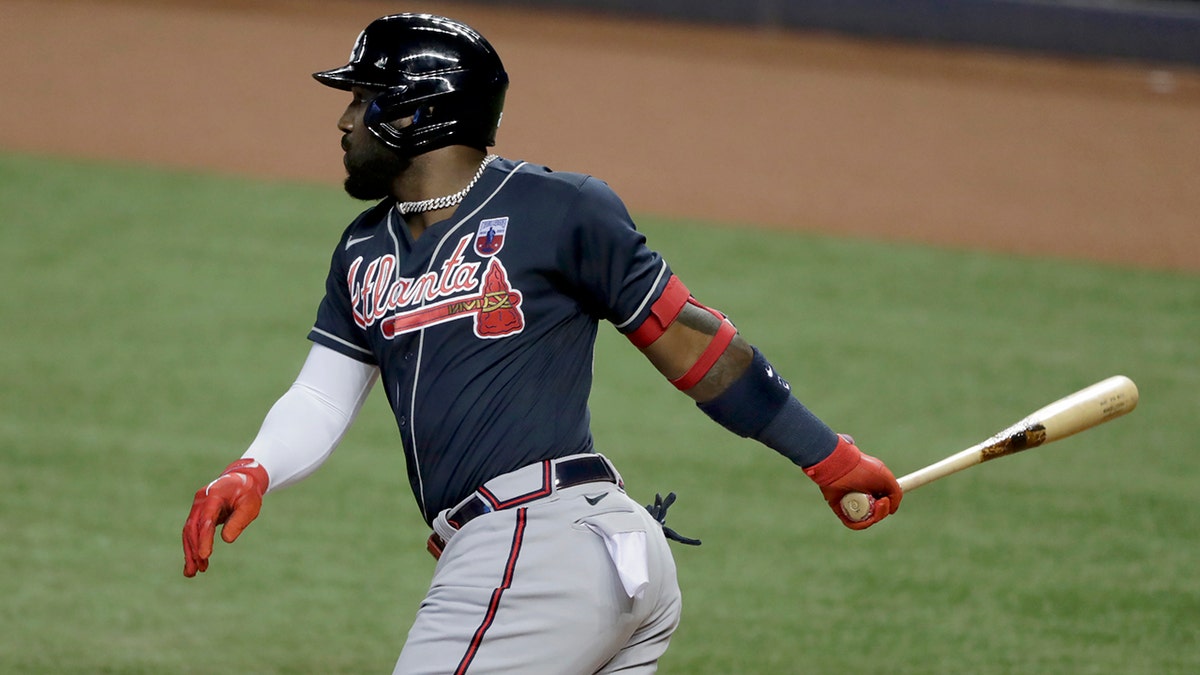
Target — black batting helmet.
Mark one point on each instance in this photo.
(435, 69)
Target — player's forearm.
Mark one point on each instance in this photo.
(759, 404)
(685, 342)
(308, 422)
(740, 390)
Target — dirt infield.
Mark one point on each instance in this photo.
(961, 148)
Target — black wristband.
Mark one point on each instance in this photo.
(748, 405)
(760, 405)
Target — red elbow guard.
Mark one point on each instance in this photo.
(662, 313)
(712, 352)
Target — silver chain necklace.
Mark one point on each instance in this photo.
(436, 203)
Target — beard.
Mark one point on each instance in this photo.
(370, 172)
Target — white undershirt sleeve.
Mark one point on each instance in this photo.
(306, 424)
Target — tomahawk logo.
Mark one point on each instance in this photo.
(452, 292)
(495, 309)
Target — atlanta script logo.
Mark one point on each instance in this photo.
(403, 305)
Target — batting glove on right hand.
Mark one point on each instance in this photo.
(847, 469)
(234, 499)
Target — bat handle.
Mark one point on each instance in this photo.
(856, 506)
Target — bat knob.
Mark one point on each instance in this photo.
(856, 506)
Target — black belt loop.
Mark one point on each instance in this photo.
(468, 512)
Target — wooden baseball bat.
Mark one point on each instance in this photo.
(1086, 408)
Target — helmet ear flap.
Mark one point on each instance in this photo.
(385, 109)
(388, 106)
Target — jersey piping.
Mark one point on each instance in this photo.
(653, 293)
(412, 400)
(339, 340)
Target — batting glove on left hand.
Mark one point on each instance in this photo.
(234, 499)
(847, 469)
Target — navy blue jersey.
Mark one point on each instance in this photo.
(483, 329)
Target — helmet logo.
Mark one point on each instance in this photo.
(360, 46)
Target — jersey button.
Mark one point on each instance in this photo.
(403, 421)
(408, 356)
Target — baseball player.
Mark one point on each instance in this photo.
(473, 289)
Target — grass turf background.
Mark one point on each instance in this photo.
(151, 318)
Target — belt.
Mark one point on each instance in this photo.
(556, 474)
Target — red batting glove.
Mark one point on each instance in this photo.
(234, 499)
(848, 470)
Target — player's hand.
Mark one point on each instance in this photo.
(234, 499)
(847, 470)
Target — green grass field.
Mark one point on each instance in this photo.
(151, 318)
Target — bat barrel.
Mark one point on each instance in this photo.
(1086, 408)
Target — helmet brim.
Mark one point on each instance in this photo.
(339, 78)
(355, 75)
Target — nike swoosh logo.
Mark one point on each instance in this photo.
(595, 500)
(771, 374)
(352, 241)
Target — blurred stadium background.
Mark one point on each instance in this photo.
(933, 216)
(1152, 30)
